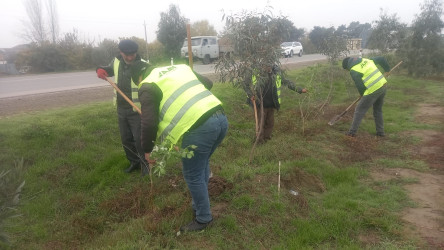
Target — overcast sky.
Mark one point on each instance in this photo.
(99, 19)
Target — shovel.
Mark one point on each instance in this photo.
(338, 117)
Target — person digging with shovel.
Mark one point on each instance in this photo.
(128, 117)
(370, 83)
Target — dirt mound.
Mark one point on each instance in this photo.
(361, 148)
(300, 181)
(300, 184)
(217, 185)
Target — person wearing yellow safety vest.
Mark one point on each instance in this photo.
(177, 104)
(128, 118)
(370, 82)
(268, 87)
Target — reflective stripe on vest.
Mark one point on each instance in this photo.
(184, 100)
(134, 88)
(278, 85)
(371, 76)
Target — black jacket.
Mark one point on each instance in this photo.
(124, 81)
(266, 87)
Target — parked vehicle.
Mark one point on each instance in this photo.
(206, 48)
(291, 48)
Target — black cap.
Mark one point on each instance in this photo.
(128, 46)
(345, 63)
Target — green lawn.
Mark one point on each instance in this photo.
(77, 196)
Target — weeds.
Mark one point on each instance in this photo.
(10, 189)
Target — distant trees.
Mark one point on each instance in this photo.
(387, 33)
(290, 32)
(420, 45)
(172, 30)
(202, 28)
(330, 42)
(423, 51)
(359, 30)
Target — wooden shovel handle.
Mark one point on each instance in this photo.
(123, 95)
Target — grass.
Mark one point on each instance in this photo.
(77, 195)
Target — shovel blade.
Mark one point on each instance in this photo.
(334, 120)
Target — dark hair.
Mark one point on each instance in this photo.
(345, 63)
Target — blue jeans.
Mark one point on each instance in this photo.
(196, 171)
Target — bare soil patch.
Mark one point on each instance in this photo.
(426, 220)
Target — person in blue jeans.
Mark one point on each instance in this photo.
(176, 103)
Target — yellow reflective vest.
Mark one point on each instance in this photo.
(371, 76)
(278, 84)
(134, 89)
(184, 100)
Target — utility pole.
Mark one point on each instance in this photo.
(146, 43)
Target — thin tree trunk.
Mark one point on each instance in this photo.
(261, 129)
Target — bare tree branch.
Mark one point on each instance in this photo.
(51, 6)
(35, 27)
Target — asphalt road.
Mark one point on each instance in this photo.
(15, 86)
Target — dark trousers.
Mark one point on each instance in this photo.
(375, 100)
(268, 123)
(129, 126)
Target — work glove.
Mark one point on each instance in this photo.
(101, 73)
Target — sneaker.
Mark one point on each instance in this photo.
(195, 226)
(380, 134)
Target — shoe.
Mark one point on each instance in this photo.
(350, 134)
(195, 226)
(380, 134)
(132, 167)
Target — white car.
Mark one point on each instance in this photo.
(291, 48)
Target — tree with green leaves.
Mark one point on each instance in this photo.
(290, 32)
(105, 51)
(387, 34)
(423, 52)
(330, 42)
(172, 30)
(256, 38)
(359, 30)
